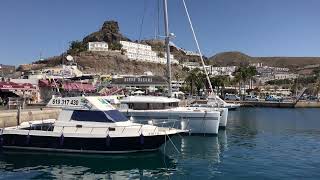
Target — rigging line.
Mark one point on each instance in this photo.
(173, 144)
(198, 47)
(158, 35)
(156, 20)
(142, 20)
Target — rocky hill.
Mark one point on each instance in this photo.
(232, 58)
(109, 33)
(237, 58)
(116, 62)
(112, 61)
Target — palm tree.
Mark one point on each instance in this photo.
(251, 71)
(243, 74)
(196, 79)
(220, 81)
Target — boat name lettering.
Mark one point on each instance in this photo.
(73, 102)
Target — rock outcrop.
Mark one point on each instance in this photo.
(109, 33)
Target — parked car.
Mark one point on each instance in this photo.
(251, 98)
(232, 97)
(274, 98)
(312, 98)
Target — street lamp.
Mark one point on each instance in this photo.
(1, 72)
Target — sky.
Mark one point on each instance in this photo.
(30, 28)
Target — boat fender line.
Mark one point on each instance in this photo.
(204, 123)
(27, 139)
(172, 143)
(108, 139)
(61, 140)
(1, 138)
(141, 139)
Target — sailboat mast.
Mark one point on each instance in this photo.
(167, 39)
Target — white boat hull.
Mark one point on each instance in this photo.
(223, 111)
(195, 121)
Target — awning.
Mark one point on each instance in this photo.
(75, 86)
(16, 86)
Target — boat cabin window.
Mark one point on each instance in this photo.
(110, 116)
(150, 106)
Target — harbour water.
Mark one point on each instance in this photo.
(259, 143)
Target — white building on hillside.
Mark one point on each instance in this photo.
(191, 53)
(286, 76)
(223, 70)
(97, 46)
(141, 52)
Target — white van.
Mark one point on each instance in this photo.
(251, 98)
(231, 97)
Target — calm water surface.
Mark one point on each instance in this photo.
(257, 144)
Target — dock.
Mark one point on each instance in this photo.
(272, 104)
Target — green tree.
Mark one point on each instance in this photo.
(243, 74)
(115, 46)
(76, 47)
(220, 82)
(196, 80)
(160, 55)
(184, 68)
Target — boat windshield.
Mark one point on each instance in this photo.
(110, 116)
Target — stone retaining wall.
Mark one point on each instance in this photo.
(10, 117)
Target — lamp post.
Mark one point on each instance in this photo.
(1, 72)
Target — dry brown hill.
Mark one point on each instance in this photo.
(237, 58)
(106, 63)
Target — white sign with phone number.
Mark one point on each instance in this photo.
(66, 102)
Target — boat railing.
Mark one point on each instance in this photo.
(109, 129)
(161, 122)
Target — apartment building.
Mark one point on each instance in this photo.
(97, 46)
(141, 52)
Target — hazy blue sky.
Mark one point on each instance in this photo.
(255, 27)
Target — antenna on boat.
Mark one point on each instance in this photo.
(167, 39)
(198, 47)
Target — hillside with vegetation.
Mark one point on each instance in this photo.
(234, 58)
(116, 62)
(111, 62)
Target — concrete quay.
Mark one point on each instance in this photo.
(267, 104)
(308, 104)
(285, 104)
(11, 118)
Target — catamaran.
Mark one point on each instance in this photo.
(166, 111)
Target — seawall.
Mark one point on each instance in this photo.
(307, 104)
(10, 117)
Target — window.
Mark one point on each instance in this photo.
(110, 116)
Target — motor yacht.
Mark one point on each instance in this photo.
(85, 125)
(162, 110)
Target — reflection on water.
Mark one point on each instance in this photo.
(259, 143)
(50, 165)
(199, 155)
(196, 153)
